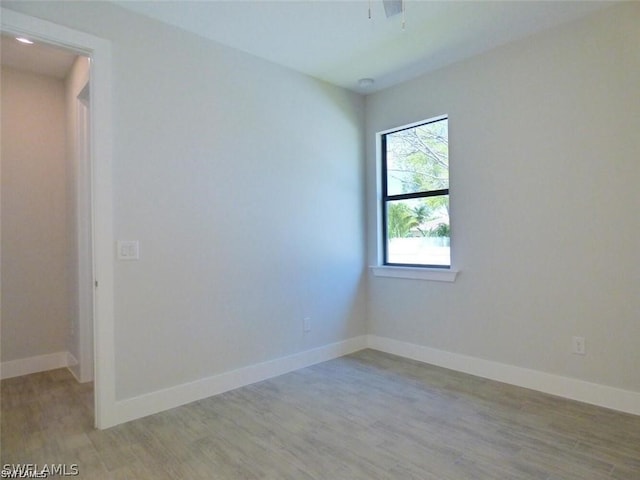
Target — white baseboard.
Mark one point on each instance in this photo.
(158, 401)
(571, 388)
(40, 363)
(74, 366)
(154, 402)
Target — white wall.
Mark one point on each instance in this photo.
(242, 181)
(544, 198)
(35, 302)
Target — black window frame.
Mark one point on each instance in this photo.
(386, 198)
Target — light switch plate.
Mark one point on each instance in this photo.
(128, 250)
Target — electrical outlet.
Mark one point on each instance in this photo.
(306, 324)
(578, 346)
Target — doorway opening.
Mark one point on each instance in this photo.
(47, 260)
(100, 189)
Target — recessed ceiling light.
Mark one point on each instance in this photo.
(26, 41)
(365, 82)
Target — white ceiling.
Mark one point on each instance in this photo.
(38, 58)
(337, 42)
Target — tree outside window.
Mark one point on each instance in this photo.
(415, 162)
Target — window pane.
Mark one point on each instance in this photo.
(418, 159)
(418, 231)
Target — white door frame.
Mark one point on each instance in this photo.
(84, 233)
(101, 208)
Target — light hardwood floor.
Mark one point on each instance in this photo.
(365, 416)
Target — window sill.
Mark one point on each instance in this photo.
(416, 273)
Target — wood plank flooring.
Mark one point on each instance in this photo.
(366, 416)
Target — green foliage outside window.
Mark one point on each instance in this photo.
(417, 193)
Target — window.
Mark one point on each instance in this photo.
(415, 195)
